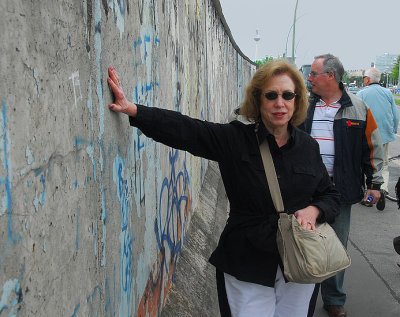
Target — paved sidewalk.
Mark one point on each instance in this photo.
(368, 293)
(372, 283)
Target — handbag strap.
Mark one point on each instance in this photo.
(270, 173)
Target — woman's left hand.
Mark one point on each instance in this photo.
(307, 217)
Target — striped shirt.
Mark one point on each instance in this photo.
(322, 131)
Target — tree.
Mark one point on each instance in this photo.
(264, 61)
(345, 78)
(395, 71)
(352, 79)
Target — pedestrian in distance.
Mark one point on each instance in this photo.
(351, 148)
(383, 107)
(249, 269)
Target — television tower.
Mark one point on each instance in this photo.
(256, 39)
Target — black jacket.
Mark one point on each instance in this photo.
(247, 247)
(358, 147)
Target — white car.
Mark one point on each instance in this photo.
(353, 90)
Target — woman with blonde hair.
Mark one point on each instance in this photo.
(249, 269)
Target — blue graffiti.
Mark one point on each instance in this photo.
(147, 53)
(10, 287)
(79, 141)
(135, 46)
(37, 171)
(146, 40)
(94, 301)
(104, 222)
(5, 181)
(110, 298)
(90, 102)
(107, 307)
(144, 87)
(76, 310)
(138, 176)
(119, 14)
(126, 238)
(90, 151)
(171, 229)
(40, 201)
(140, 145)
(43, 196)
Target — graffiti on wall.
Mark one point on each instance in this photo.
(170, 228)
(120, 202)
(11, 297)
(6, 201)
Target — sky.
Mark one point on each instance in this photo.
(356, 31)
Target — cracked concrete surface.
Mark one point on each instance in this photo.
(87, 227)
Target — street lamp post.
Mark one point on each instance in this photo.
(398, 83)
(294, 32)
(287, 37)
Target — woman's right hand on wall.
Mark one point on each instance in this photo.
(121, 104)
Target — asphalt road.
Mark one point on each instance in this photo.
(372, 283)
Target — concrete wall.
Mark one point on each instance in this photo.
(193, 292)
(94, 215)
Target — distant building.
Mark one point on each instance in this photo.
(355, 72)
(385, 62)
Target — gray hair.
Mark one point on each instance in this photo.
(374, 74)
(332, 64)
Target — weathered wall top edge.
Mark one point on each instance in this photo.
(218, 10)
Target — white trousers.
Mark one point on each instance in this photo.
(283, 300)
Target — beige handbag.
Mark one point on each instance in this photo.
(308, 257)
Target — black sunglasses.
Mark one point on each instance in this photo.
(272, 95)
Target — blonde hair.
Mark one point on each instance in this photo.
(250, 107)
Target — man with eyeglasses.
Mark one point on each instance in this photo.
(384, 110)
(351, 149)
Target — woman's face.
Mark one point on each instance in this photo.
(276, 113)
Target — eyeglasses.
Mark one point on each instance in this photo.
(314, 74)
(272, 95)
